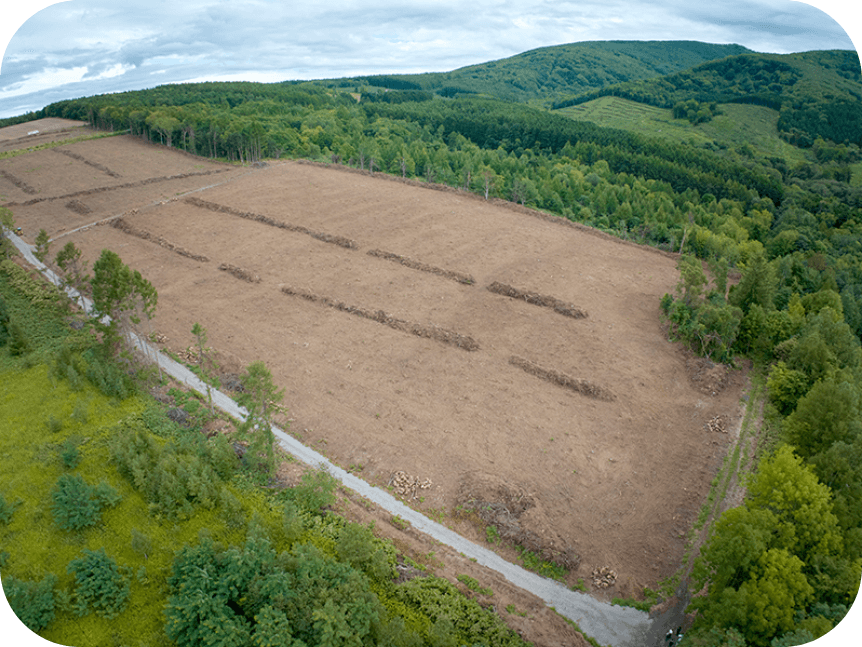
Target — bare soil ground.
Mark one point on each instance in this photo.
(616, 480)
(50, 129)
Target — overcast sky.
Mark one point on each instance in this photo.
(84, 47)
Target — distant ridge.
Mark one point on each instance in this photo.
(557, 71)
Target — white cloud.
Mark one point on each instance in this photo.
(45, 79)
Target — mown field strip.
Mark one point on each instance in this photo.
(341, 241)
(464, 342)
(560, 307)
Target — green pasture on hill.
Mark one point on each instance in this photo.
(738, 125)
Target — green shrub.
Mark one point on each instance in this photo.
(19, 341)
(357, 546)
(76, 504)
(107, 376)
(4, 323)
(174, 477)
(54, 424)
(32, 602)
(99, 586)
(70, 455)
(6, 510)
(315, 491)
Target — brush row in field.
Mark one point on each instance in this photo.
(428, 332)
(422, 267)
(83, 159)
(115, 187)
(583, 387)
(561, 307)
(21, 184)
(240, 273)
(125, 227)
(341, 241)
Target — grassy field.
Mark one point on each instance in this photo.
(738, 125)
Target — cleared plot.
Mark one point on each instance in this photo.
(614, 482)
(49, 130)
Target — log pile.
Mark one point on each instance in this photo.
(604, 577)
(407, 485)
(716, 424)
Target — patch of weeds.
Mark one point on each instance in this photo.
(81, 414)
(492, 536)
(473, 584)
(398, 522)
(513, 610)
(355, 468)
(580, 586)
(54, 425)
(532, 562)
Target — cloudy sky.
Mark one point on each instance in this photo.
(84, 47)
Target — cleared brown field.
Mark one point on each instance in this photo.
(596, 422)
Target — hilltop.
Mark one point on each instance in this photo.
(552, 72)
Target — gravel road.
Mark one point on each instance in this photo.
(608, 624)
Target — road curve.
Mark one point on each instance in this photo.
(608, 624)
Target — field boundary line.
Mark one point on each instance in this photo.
(608, 624)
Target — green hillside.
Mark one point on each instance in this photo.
(819, 94)
(562, 70)
(736, 127)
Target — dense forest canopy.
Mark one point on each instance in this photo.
(782, 242)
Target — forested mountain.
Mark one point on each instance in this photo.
(783, 568)
(557, 71)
